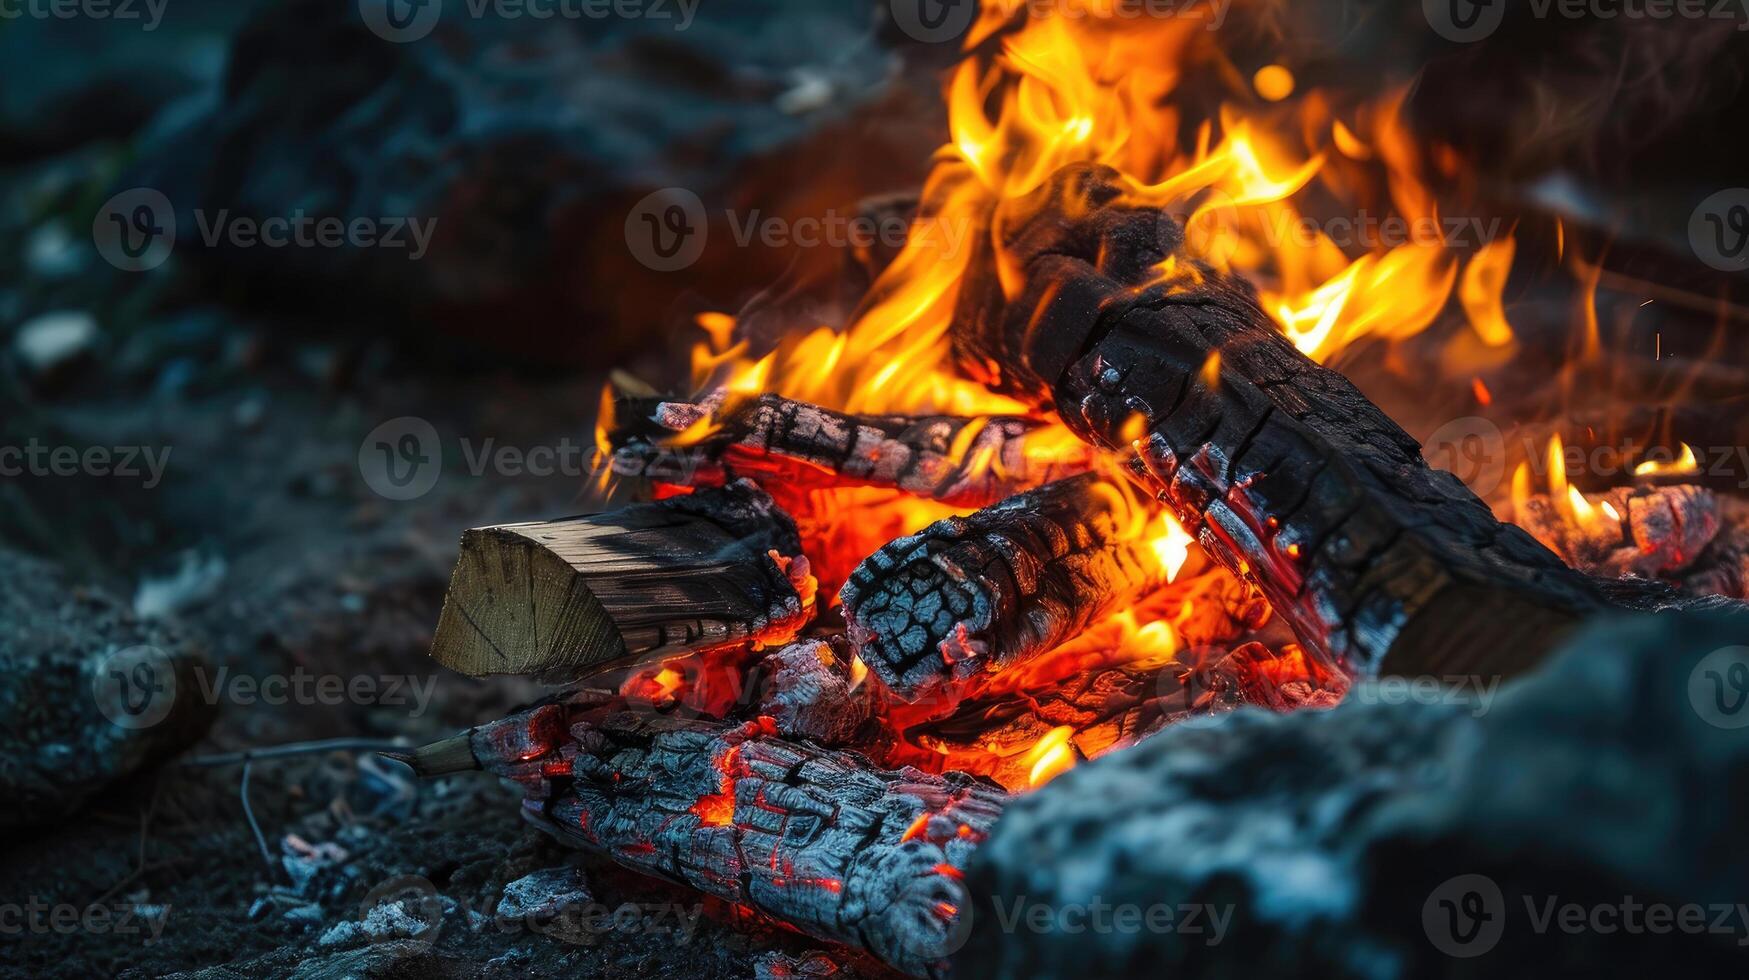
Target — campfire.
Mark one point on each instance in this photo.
(1045, 494)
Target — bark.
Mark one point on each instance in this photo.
(821, 841)
(954, 459)
(1285, 471)
(972, 595)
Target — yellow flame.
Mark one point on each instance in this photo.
(1173, 547)
(1684, 464)
(1050, 756)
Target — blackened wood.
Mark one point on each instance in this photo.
(708, 570)
(971, 461)
(1285, 471)
(973, 594)
(821, 841)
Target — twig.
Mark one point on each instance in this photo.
(292, 749)
(249, 812)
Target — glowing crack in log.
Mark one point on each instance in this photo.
(819, 840)
(972, 595)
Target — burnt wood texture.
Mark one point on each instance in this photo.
(971, 461)
(1005, 584)
(819, 840)
(708, 570)
(1284, 470)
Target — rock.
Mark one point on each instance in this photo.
(1397, 837)
(88, 692)
(527, 141)
(545, 894)
(51, 341)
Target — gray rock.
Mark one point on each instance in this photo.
(1387, 840)
(88, 692)
(49, 342)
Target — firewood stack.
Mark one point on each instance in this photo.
(832, 765)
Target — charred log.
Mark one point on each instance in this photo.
(818, 840)
(1287, 473)
(955, 459)
(710, 570)
(969, 595)
(1112, 707)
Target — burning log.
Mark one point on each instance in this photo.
(969, 595)
(818, 840)
(1101, 710)
(710, 570)
(954, 459)
(1285, 470)
(1648, 531)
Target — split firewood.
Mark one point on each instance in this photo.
(1286, 472)
(710, 570)
(970, 595)
(818, 840)
(954, 459)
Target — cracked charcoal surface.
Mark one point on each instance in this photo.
(771, 437)
(817, 839)
(1282, 468)
(968, 595)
